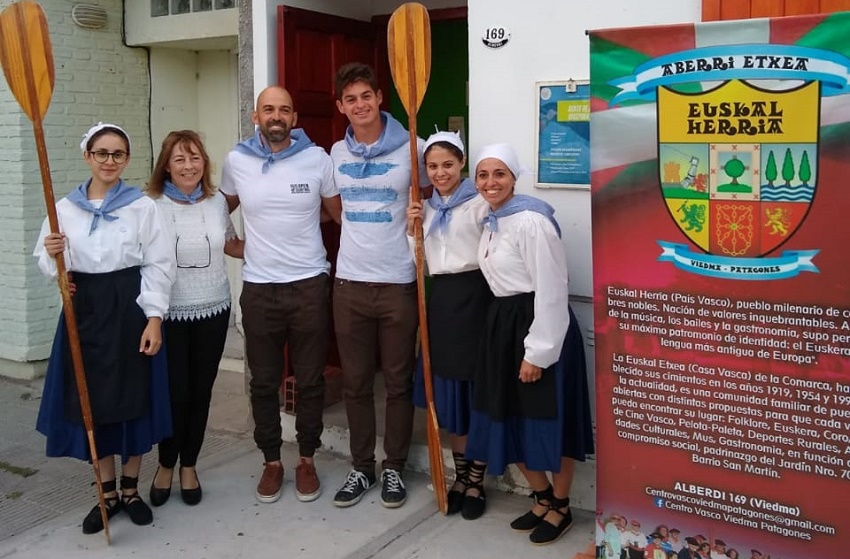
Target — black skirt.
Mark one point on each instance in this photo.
(456, 310)
(498, 390)
(110, 325)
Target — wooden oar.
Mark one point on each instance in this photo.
(409, 44)
(27, 60)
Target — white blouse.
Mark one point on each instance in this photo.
(457, 250)
(197, 233)
(526, 255)
(136, 238)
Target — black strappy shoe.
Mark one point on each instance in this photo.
(454, 498)
(474, 505)
(529, 521)
(546, 533)
(140, 513)
(93, 522)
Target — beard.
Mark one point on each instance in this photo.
(276, 136)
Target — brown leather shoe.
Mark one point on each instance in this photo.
(268, 490)
(307, 486)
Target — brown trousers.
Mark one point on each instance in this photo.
(273, 315)
(377, 321)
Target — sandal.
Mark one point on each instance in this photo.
(474, 505)
(93, 522)
(140, 513)
(546, 532)
(529, 521)
(454, 498)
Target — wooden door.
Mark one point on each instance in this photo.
(311, 47)
(713, 10)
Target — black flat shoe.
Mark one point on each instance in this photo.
(454, 500)
(93, 522)
(473, 506)
(140, 513)
(529, 521)
(546, 533)
(192, 496)
(159, 496)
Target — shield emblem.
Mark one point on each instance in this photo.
(738, 164)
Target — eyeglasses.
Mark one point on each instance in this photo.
(102, 156)
(193, 255)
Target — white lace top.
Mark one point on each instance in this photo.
(197, 233)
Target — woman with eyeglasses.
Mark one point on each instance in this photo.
(200, 232)
(123, 266)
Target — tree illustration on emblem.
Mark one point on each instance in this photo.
(788, 167)
(805, 169)
(770, 170)
(734, 168)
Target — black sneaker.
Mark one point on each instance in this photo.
(356, 484)
(393, 493)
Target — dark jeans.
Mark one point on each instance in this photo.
(194, 349)
(377, 320)
(274, 315)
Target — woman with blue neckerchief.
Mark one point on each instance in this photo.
(198, 223)
(123, 266)
(531, 406)
(452, 225)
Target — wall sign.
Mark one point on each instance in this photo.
(563, 134)
(495, 37)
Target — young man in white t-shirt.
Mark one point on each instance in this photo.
(282, 181)
(374, 298)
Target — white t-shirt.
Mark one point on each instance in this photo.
(375, 193)
(136, 238)
(280, 210)
(526, 255)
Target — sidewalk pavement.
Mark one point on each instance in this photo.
(43, 502)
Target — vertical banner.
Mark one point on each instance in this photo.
(720, 198)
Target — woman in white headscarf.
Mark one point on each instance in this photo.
(531, 404)
(123, 267)
(452, 221)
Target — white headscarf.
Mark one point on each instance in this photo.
(504, 153)
(97, 128)
(452, 138)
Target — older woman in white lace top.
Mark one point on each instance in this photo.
(198, 222)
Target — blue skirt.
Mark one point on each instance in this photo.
(541, 443)
(128, 438)
(452, 400)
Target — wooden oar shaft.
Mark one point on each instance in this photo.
(64, 287)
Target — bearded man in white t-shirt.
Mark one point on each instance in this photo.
(374, 298)
(282, 181)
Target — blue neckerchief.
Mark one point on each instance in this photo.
(393, 136)
(521, 203)
(117, 197)
(178, 195)
(464, 192)
(255, 146)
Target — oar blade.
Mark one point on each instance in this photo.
(409, 46)
(26, 57)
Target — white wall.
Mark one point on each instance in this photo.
(547, 43)
(142, 29)
(174, 94)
